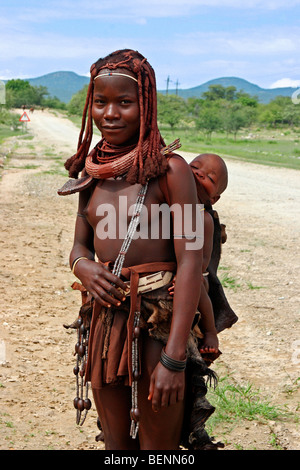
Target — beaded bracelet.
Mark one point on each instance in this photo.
(76, 261)
(172, 364)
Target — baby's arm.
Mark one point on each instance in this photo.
(208, 240)
(207, 324)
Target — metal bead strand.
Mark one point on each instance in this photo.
(81, 403)
(119, 262)
(135, 414)
(131, 230)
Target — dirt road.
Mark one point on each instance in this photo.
(260, 260)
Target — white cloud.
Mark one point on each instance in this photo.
(286, 83)
(239, 43)
(40, 37)
(118, 10)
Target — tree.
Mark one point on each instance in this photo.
(230, 93)
(273, 113)
(20, 92)
(246, 100)
(214, 92)
(235, 117)
(219, 92)
(77, 102)
(209, 120)
(170, 109)
(8, 118)
(283, 111)
(53, 102)
(193, 106)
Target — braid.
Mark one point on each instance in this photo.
(143, 168)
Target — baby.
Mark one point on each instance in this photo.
(210, 173)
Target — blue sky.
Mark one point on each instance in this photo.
(191, 41)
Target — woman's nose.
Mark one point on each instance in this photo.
(111, 111)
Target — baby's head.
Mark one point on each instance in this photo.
(210, 172)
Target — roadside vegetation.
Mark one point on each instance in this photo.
(237, 405)
(224, 120)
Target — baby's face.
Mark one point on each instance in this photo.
(209, 173)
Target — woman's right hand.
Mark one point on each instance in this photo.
(98, 279)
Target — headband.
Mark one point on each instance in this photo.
(109, 74)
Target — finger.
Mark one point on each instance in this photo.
(156, 399)
(112, 291)
(151, 389)
(99, 300)
(113, 279)
(109, 299)
(103, 298)
(165, 398)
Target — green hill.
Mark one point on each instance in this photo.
(65, 84)
(264, 95)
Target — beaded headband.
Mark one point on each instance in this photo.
(109, 74)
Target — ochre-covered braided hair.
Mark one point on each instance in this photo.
(144, 167)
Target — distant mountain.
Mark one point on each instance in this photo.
(65, 84)
(264, 95)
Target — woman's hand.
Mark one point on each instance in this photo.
(98, 279)
(166, 387)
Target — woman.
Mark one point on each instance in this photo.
(137, 372)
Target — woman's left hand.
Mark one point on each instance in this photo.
(166, 387)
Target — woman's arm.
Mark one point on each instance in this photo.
(167, 387)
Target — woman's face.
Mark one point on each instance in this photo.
(115, 109)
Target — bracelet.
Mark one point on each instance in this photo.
(76, 261)
(172, 364)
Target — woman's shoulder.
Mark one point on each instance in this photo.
(177, 162)
(178, 180)
(179, 169)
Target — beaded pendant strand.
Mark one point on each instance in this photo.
(118, 265)
(81, 403)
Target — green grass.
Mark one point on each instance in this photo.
(252, 287)
(274, 147)
(229, 282)
(271, 147)
(235, 403)
(6, 132)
